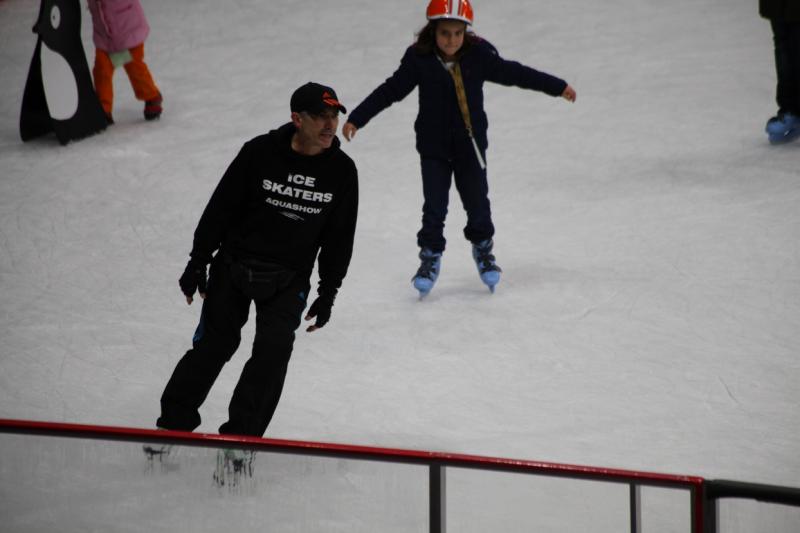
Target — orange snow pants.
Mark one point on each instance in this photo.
(144, 88)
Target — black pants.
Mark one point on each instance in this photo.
(225, 311)
(473, 188)
(787, 65)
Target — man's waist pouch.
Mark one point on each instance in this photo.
(259, 280)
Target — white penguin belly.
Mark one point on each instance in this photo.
(60, 87)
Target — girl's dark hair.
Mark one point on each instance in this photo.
(426, 39)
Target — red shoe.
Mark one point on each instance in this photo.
(152, 108)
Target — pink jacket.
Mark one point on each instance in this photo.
(118, 24)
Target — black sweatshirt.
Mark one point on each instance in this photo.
(780, 10)
(279, 206)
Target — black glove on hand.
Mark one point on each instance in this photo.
(193, 279)
(321, 309)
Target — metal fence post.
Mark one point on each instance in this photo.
(636, 508)
(437, 499)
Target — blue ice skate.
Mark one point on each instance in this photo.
(783, 128)
(485, 261)
(428, 271)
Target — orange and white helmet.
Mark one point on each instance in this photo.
(450, 9)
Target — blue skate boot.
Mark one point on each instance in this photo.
(783, 128)
(428, 271)
(485, 261)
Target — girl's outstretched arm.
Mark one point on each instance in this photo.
(395, 88)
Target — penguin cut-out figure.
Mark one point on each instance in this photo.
(59, 95)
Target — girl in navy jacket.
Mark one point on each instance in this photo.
(449, 66)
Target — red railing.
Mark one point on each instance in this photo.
(703, 493)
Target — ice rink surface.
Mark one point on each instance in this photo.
(649, 312)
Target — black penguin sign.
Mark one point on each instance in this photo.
(59, 95)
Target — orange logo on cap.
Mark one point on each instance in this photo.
(329, 99)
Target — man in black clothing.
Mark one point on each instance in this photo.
(289, 196)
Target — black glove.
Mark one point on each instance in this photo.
(193, 279)
(321, 308)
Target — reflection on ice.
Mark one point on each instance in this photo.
(67, 484)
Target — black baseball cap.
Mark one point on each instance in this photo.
(315, 98)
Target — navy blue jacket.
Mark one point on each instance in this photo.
(439, 122)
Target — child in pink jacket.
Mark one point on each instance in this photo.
(119, 31)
